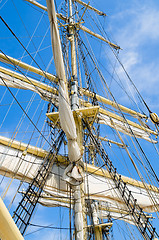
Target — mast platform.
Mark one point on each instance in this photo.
(88, 113)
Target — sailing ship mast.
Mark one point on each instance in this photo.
(73, 124)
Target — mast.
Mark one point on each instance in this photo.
(74, 82)
(79, 190)
(79, 200)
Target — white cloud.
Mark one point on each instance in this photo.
(138, 35)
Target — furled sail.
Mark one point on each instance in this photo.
(14, 163)
(125, 128)
(66, 117)
(16, 80)
(48, 93)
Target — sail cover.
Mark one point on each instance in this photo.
(66, 116)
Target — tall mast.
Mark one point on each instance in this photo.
(79, 190)
(79, 201)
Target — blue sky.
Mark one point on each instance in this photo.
(134, 25)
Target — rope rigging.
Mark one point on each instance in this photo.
(153, 116)
(142, 222)
(102, 78)
(26, 207)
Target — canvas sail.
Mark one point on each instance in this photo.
(14, 163)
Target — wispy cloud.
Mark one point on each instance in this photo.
(139, 38)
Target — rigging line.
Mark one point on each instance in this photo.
(16, 168)
(21, 160)
(153, 200)
(33, 84)
(11, 155)
(35, 8)
(110, 166)
(23, 116)
(36, 122)
(28, 33)
(124, 232)
(95, 63)
(25, 111)
(96, 170)
(27, 170)
(43, 130)
(132, 233)
(116, 54)
(8, 104)
(123, 158)
(117, 57)
(23, 46)
(45, 169)
(16, 67)
(46, 227)
(132, 82)
(36, 209)
(4, 93)
(21, 120)
(8, 109)
(100, 74)
(121, 85)
(28, 107)
(3, 4)
(137, 151)
(24, 175)
(102, 26)
(26, 77)
(136, 168)
(2, 159)
(124, 215)
(147, 160)
(78, 61)
(112, 186)
(39, 50)
(17, 191)
(141, 162)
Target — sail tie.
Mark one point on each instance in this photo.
(73, 174)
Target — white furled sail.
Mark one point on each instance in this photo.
(125, 128)
(45, 91)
